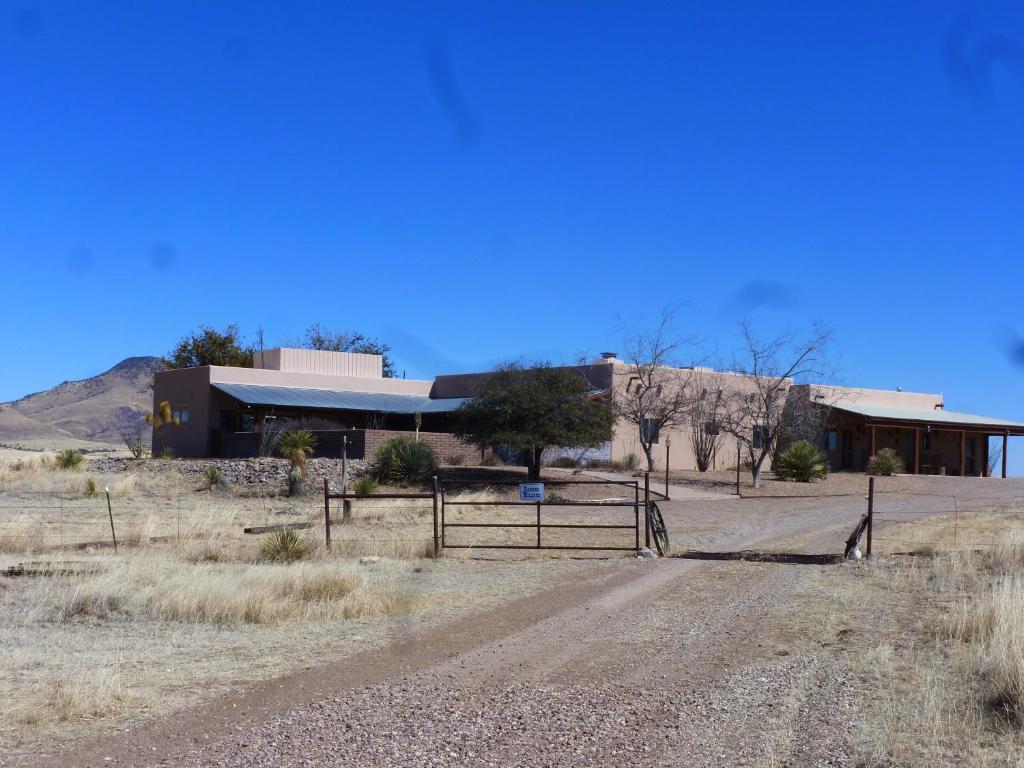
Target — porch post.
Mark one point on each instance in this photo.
(963, 440)
(872, 451)
(1006, 435)
(917, 450)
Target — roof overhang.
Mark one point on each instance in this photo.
(336, 400)
(890, 416)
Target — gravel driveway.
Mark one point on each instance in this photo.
(649, 663)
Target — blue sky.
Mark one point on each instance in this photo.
(473, 182)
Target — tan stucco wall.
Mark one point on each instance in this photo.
(886, 397)
(320, 362)
(226, 375)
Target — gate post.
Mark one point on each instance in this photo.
(327, 515)
(647, 507)
(437, 544)
(871, 510)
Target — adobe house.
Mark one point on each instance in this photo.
(345, 399)
(929, 439)
(342, 396)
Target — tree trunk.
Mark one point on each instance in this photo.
(755, 469)
(649, 452)
(533, 457)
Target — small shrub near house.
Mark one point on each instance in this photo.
(565, 462)
(365, 485)
(802, 462)
(492, 460)
(631, 462)
(212, 478)
(401, 461)
(885, 463)
(69, 459)
(284, 547)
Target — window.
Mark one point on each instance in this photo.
(760, 438)
(246, 422)
(926, 442)
(831, 440)
(649, 431)
(180, 417)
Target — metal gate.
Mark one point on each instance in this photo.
(631, 543)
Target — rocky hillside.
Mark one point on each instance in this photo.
(77, 412)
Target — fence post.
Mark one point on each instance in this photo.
(437, 545)
(110, 514)
(538, 525)
(738, 462)
(871, 510)
(327, 514)
(647, 508)
(344, 462)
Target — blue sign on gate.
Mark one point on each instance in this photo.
(531, 491)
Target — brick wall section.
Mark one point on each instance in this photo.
(444, 444)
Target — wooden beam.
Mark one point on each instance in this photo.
(872, 451)
(1005, 442)
(963, 450)
(917, 451)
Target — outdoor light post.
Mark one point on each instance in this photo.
(668, 447)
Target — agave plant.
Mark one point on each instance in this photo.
(401, 461)
(886, 462)
(284, 547)
(802, 462)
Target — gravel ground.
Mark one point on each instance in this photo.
(673, 662)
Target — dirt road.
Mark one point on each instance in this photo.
(649, 663)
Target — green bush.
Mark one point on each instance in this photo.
(364, 484)
(401, 461)
(91, 489)
(213, 477)
(284, 547)
(68, 459)
(886, 462)
(631, 462)
(802, 462)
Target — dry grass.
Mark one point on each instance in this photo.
(948, 687)
(160, 589)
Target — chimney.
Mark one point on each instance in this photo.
(609, 357)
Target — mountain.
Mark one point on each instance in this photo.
(81, 413)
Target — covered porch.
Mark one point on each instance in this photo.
(936, 442)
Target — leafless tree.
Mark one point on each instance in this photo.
(270, 435)
(995, 454)
(760, 413)
(656, 393)
(707, 414)
(131, 426)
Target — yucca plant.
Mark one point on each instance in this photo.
(886, 462)
(69, 459)
(297, 446)
(631, 462)
(91, 489)
(401, 461)
(365, 484)
(212, 477)
(284, 547)
(802, 462)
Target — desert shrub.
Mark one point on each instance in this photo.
(284, 547)
(565, 462)
(212, 477)
(455, 460)
(297, 446)
(91, 489)
(886, 462)
(69, 459)
(401, 461)
(801, 462)
(492, 460)
(364, 484)
(631, 462)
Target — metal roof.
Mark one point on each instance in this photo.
(298, 397)
(935, 416)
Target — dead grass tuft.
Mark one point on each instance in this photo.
(158, 588)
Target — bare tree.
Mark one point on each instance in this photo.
(995, 455)
(131, 426)
(707, 414)
(760, 413)
(656, 392)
